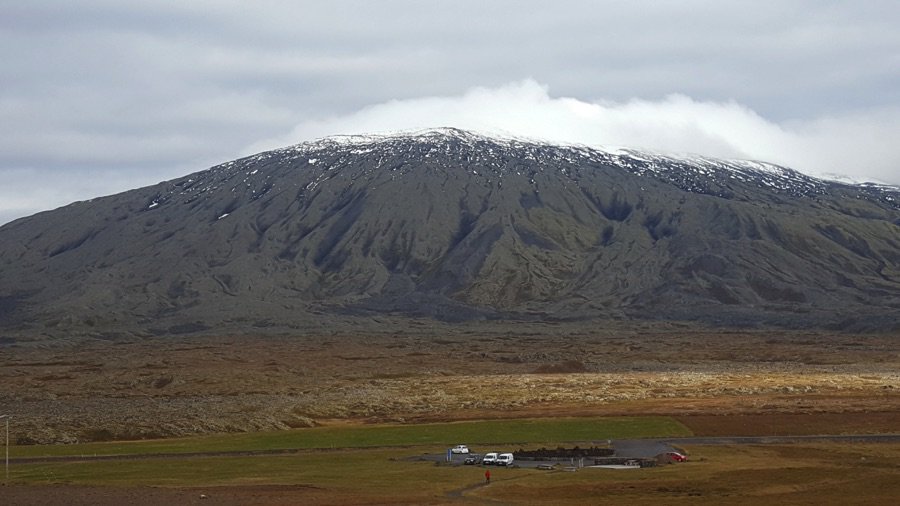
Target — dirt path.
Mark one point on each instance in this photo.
(460, 493)
(242, 495)
(143, 456)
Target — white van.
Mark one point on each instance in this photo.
(489, 459)
(505, 459)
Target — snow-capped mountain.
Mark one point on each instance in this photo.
(697, 174)
(451, 225)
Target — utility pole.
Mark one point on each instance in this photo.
(7, 448)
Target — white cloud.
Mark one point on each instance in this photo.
(152, 89)
(859, 145)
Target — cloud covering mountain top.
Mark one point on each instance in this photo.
(857, 146)
(101, 96)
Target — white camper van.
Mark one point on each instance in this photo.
(505, 459)
(489, 459)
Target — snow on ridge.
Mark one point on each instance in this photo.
(640, 161)
(636, 160)
(515, 141)
(441, 133)
(491, 153)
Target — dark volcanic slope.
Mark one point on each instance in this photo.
(454, 226)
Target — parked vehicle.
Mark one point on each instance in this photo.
(489, 459)
(472, 459)
(505, 459)
(460, 449)
(677, 457)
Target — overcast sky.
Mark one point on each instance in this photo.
(98, 97)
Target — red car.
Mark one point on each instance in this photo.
(677, 457)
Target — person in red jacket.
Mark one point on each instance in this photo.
(487, 476)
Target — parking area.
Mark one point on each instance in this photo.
(620, 454)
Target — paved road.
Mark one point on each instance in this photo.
(650, 448)
(640, 448)
(624, 448)
(755, 440)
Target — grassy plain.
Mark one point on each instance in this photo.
(777, 474)
(819, 473)
(506, 432)
(352, 410)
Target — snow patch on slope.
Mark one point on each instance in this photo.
(498, 157)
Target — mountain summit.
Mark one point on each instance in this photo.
(450, 225)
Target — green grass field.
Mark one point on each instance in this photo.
(506, 432)
(377, 465)
(335, 465)
(819, 474)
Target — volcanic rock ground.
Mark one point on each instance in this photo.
(97, 390)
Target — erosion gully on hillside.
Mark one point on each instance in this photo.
(163, 387)
(451, 226)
